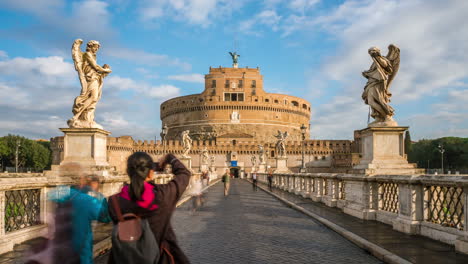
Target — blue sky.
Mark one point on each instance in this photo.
(159, 49)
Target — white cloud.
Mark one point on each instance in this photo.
(3, 54)
(195, 12)
(194, 77)
(162, 91)
(431, 42)
(268, 18)
(145, 58)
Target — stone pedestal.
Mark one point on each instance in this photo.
(281, 165)
(85, 146)
(204, 167)
(383, 152)
(84, 153)
(262, 168)
(187, 162)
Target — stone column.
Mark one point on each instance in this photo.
(461, 244)
(410, 211)
(361, 198)
(317, 194)
(331, 198)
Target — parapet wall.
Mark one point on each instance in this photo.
(324, 154)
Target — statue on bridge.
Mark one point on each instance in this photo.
(280, 144)
(186, 143)
(261, 154)
(253, 159)
(205, 156)
(91, 77)
(379, 77)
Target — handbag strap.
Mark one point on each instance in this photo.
(116, 206)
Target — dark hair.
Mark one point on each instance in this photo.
(138, 166)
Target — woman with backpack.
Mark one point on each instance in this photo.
(152, 206)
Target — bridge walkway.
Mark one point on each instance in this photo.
(254, 227)
(412, 248)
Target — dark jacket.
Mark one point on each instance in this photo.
(159, 211)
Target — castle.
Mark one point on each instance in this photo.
(231, 118)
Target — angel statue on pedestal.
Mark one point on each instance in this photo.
(280, 144)
(91, 77)
(379, 77)
(186, 143)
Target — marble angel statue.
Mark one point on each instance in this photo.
(379, 77)
(91, 77)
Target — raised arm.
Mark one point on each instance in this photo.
(88, 57)
(173, 190)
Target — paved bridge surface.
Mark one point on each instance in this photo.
(254, 227)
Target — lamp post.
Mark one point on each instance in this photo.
(18, 144)
(163, 137)
(441, 150)
(303, 132)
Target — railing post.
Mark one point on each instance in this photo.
(298, 187)
(306, 191)
(461, 244)
(361, 196)
(410, 208)
(292, 184)
(318, 187)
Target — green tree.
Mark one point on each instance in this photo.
(31, 154)
(426, 154)
(407, 142)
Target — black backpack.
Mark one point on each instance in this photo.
(132, 239)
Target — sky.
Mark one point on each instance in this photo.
(160, 49)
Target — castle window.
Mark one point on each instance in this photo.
(276, 101)
(234, 97)
(254, 83)
(234, 142)
(256, 100)
(213, 83)
(254, 91)
(294, 103)
(226, 84)
(241, 83)
(304, 106)
(267, 100)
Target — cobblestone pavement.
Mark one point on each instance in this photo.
(254, 227)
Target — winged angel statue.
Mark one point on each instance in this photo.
(281, 145)
(379, 77)
(91, 77)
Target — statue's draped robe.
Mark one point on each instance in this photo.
(85, 103)
(376, 94)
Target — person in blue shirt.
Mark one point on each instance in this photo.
(85, 205)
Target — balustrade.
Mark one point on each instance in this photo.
(432, 206)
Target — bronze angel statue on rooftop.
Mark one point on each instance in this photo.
(379, 77)
(91, 77)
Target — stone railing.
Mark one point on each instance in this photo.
(428, 205)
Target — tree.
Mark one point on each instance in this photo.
(426, 154)
(31, 154)
(407, 142)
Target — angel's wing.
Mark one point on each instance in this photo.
(77, 57)
(394, 57)
(286, 134)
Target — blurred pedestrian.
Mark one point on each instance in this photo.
(79, 207)
(206, 178)
(154, 203)
(254, 181)
(226, 179)
(196, 193)
(270, 181)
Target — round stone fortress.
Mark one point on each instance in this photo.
(235, 107)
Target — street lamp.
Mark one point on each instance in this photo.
(441, 150)
(303, 132)
(163, 137)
